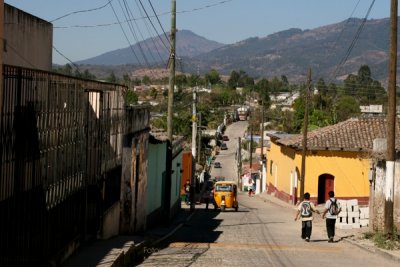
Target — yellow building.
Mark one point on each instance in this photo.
(338, 158)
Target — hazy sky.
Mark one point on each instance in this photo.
(224, 21)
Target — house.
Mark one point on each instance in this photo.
(163, 191)
(338, 158)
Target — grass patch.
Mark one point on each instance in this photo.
(381, 241)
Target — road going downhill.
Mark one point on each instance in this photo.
(261, 233)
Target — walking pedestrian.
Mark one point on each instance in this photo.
(186, 187)
(305, 210)
(332, 209)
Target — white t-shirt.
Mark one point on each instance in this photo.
(328, 205)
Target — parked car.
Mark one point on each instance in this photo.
(225, 138)
(217, 164)
(223, 146)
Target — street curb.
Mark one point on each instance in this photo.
(137, 251)
(373, 250)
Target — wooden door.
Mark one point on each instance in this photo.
(329, 185)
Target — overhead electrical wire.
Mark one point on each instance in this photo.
(126, 37)
(159, 23)
(82, 11)
(144, 17)
(70, 61)
(132, 30)
(151, 22)
(152, 37)
(354, 41)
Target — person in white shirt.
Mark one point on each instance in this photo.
(332, 209)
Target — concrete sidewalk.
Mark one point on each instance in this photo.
(352, 236)
(122, 250)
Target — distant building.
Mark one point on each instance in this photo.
(372, 109)
(284, 100)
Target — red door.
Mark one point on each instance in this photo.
(329, 185)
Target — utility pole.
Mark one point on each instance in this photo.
(171, 71)
(262, 146)
(305, 130)
(239, 158)
(168, 167)
(194, 132)
(391, 124)
(1, 52)
(199, 141)
(250, 147)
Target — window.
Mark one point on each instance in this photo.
(270, 167)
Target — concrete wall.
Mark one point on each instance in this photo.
(134, 172)
(28, 40)
(176, 179)
(378, 194)
(350, 170)
(110, 225)
(155, 182)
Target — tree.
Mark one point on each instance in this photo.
(111, 78)
(364, 75)
(131, 98)
(180, 80)
(321, 87)
(87, 75)
(233, 80)
(213, 77)
(262, 87)
(345, 108)
(153, 92)
(351, 85)
(127, 80)
(146, 80)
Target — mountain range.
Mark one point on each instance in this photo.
(332, 52)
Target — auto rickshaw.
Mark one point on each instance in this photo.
(225, 195)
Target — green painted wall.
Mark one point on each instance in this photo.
(156, 168)
(176, 179)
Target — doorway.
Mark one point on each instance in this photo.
(326, 183)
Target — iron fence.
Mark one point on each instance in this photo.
(60, 161)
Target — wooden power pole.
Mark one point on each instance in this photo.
(262, 147)
(171, 71)
(391, 124)
(305, 130)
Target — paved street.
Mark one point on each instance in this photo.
(261, 233)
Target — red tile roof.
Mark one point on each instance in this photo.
(356, 134)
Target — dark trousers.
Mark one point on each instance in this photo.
(306, 228)
(330, 227)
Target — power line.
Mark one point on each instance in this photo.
(360, 28)
(126, 37)
(61, 54)
(155, 14)
(82, 11)
(132, 30)
(151, 22)
(152, 37)
(140, 18)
